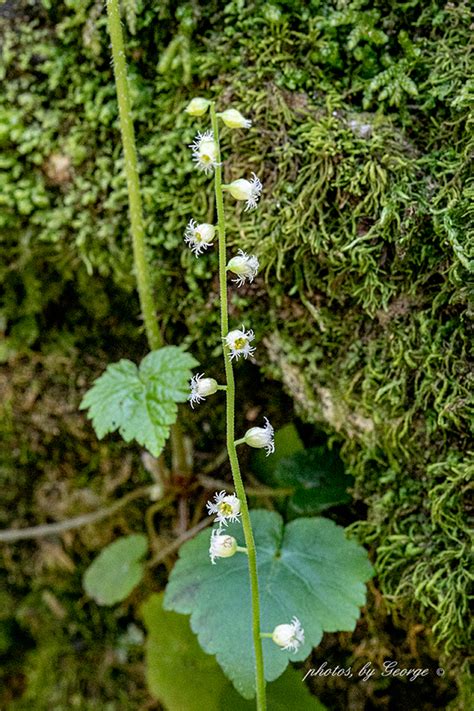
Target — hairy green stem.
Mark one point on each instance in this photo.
(137, 228)
(131, 171)
(230, 427)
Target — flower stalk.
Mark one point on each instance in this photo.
(230, 423)
(131, 171)
(137, 229)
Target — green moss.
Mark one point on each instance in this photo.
(64, 649)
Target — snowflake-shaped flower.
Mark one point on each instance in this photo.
(248, 190)
(226, 507)
(221, 546)
(245, 266)
(201, 387)
(205, 151)
(261, 437)
(199, 237)
(290, 636)
(238, 342)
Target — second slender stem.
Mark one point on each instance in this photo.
(131, 171)
(137, 228)
(230, 427)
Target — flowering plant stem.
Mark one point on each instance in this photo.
(128, 141)
(230, 427)
(142, 272)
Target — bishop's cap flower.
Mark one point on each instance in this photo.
(221, 546)
(201, 387)
(234, 119)
(248, 190)
(245, 266)
(261, 437)
(225, 506)
(290, 636)
(197, 106)
(205, 151)
(199, 237)
(238, 342)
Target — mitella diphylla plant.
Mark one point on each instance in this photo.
(227, 579)
(236, 344)
(259, 592)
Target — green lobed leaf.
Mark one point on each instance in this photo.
(306, 569)
(140, 402)
(181, 676)
(318, 477)
(179, 673)
(287, 443)
(316, 474)
(117, 569)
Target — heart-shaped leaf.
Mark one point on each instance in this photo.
(318, 477)
(306, 569)
(173, 655)
(141, 402)
(112, 576)
(287, 443)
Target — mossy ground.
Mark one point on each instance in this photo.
(364, 235)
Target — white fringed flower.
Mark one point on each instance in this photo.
(225, 506)
(201, 387)
(245, 266)
(248, 190)
(289, 636)
(221, 546)
(205, 151)
(234, 119)
(238, 342)
(197, 106)
(261, 437)
(199, 237)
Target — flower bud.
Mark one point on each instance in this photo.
(222, 546)
(248, 190)
(199, 237)
(289, 636)
(234, 119)
(245, 266)
(208, 152)
(240, 189)
(200, 388)
(205, 151)
(261, 437)
(197, 106)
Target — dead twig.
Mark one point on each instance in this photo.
(50, 529)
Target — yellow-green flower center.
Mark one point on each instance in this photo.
(225, 508)
(240, 343)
